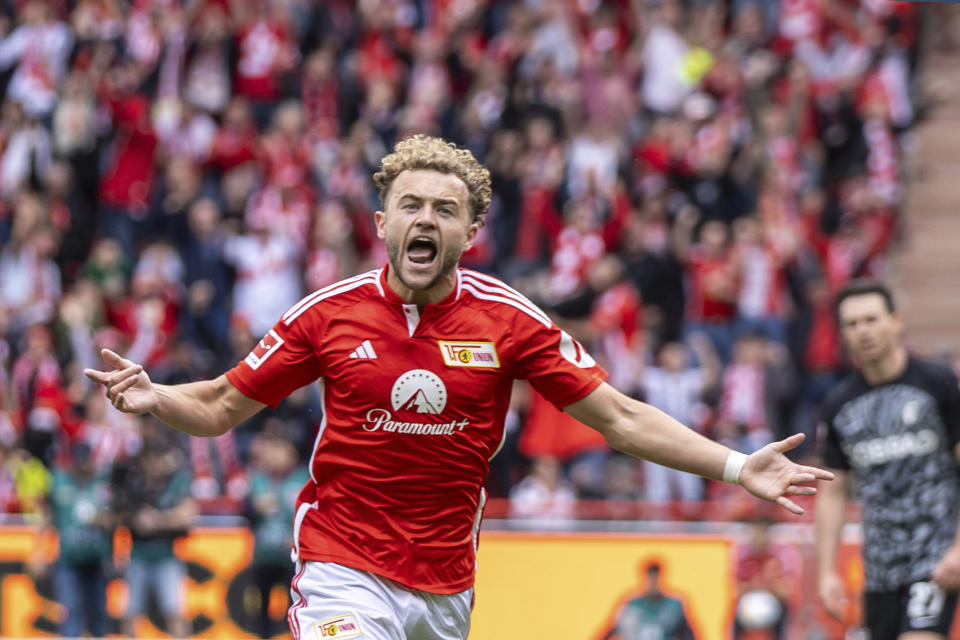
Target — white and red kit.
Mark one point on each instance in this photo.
(414, 408)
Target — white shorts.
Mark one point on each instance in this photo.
(332, 601)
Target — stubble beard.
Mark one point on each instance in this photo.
(448, 262)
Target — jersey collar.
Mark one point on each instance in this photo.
(390, 295)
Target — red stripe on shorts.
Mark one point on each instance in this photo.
(300, 603)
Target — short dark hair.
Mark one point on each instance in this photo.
(866, 287)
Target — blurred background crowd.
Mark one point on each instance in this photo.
(683, 184)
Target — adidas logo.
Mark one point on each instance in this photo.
(365, 350)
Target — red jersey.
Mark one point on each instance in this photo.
(414, 406)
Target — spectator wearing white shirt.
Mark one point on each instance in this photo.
(676, 386)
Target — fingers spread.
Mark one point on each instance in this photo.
(100, 377)
(789, 443)
(789, 505)
(123, 385)
(822, 474)
(120, 376)
(801, 491)
(114, 359)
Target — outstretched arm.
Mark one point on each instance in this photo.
(207, 408)
(643, 431)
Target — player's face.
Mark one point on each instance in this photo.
(870, 330)
(426, 225)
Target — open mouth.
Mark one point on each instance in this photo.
(422, 250)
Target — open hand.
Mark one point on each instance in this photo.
(770, 475)
(128, 385)
(947, 572)
(833, 595)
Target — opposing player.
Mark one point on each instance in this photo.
(894, 426)
(415, 363)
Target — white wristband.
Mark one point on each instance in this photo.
(732, 467)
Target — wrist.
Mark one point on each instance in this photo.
(733, 466)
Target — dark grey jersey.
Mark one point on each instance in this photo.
(898, 438)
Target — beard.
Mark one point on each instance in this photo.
(448, 262)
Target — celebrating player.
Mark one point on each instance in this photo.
(895, 425)
(416, 362)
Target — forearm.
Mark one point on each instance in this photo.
(646, 432)
(828, 524)
(197, 408)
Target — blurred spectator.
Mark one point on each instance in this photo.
(764, 570)
(187, 170)
(153, 501)
(207, 276)
(544, 493)
(664, 49)
(30, 286)
(762, 298)
(39, 393)
(24, 480)
(265, 52)
(267, 280)
(744, 419)
(79, 507)
(819, 356)
(711, 279)
(127, 183)
(616, 324)
(551, 434)
(677, 385)
(273, 491)
(39, 47)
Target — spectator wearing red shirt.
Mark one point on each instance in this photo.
(235, 142)
(761, 280)
(39, 394)
(265, 53)
(711, 286)
(818, 354)
(127, 183)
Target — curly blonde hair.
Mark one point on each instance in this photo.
(427, 152)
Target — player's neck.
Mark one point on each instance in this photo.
(888, 368)
(420, 297)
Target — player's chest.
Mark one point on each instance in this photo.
(439, 369)
(889, 424)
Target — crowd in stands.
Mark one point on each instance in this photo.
(682, 184)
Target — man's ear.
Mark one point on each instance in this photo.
(471, 235)
(379, 217)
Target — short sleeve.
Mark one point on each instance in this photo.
(949, 393)
(833, 455)
(284, 360)
(555, 364)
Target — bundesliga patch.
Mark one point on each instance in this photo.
(469, 354)
(345, 626)
(264, 349)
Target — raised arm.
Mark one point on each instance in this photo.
(207, 408)
(643, 431)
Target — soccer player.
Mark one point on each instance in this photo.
(894, 425)
(416, 362)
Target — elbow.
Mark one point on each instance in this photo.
(621, 432)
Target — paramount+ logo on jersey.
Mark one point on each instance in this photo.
(417, 392)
